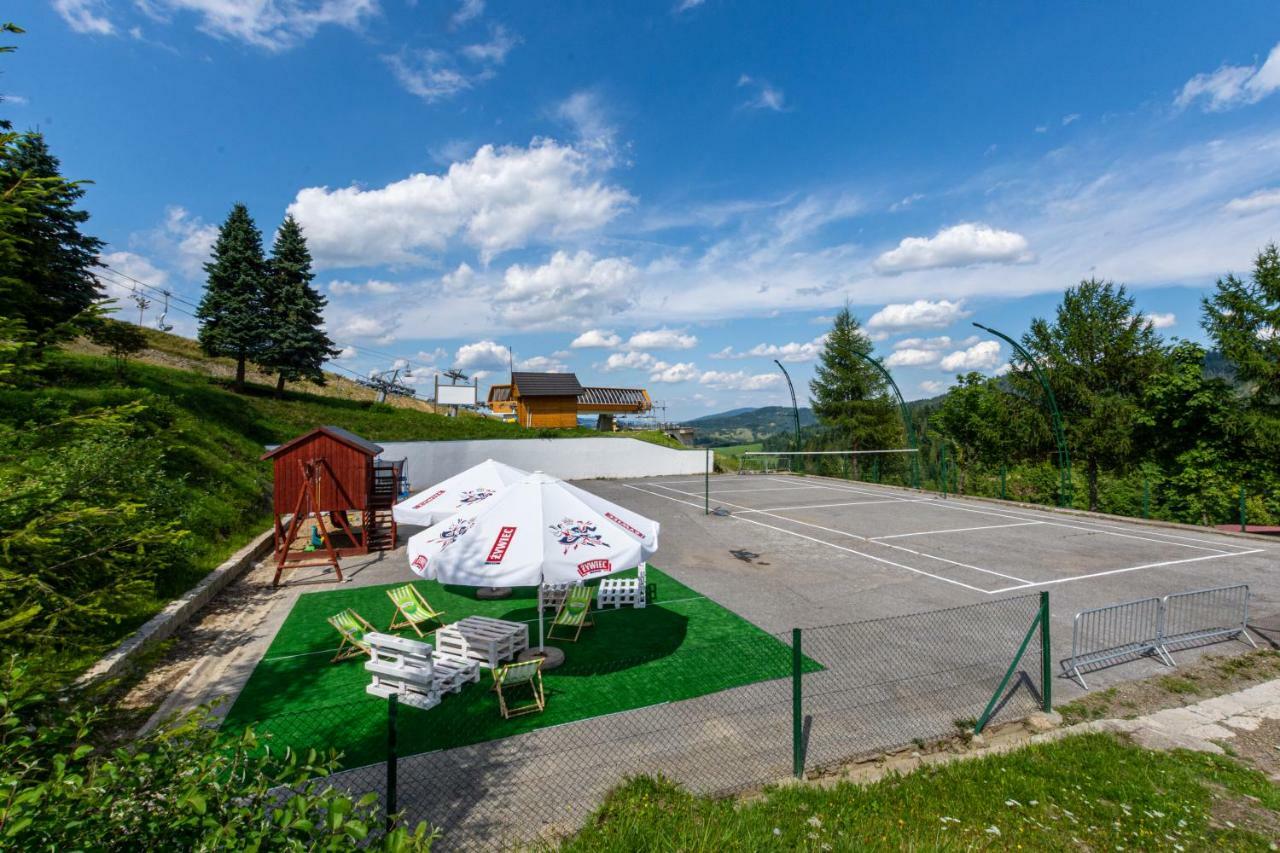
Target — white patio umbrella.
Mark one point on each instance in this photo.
(461, 491)
(535, 531)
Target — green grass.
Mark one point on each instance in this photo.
(682, 645)
(1088, 792)
(739, 449)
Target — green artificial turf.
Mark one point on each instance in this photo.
(681, 646)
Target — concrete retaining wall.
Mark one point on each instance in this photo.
(430, 462)
(179, 611)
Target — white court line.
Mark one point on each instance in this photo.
(956, 530)
(819, 541)
(829, 506)
(881, 544)
(773, 489)
(1130, 569)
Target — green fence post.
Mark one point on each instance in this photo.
(942, 469)
(797, 710)
(1003, 474)
(1244, 517)
(1046, 653)
(1146, 496)
(393, 706)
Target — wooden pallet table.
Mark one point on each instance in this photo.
(416, 673)
(483, 639)
(619, 592)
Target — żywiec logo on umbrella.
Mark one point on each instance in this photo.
(454, 532)
(428, 499)
(573, 534)
(474, 496)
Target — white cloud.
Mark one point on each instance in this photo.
(933, 386)
(686, 5)
(906, 202)
(481, 354)
(1163, 321)
(495, 50)
(921, 314)
(183, 240)
(662, 339)
(502, 198)
(766, 97)
(1042, 128)
(468, 10)
(16, 100)
(1233, 85)
(381, 328)
(543, 364)
(587, 114)
(669, 373)
(634, 360)
(555, 292)
(957, 246)
(272, 26)
(460, 278)
(88, 17)
(345, 354)
(130, 266)
(740, 380)
(1072, 118)
(1254, 202)
(1003, 369)
(983, 355)
(595, 339)
(793, 352)
(939, 343)
(373, 286)
(912, 358)
(431, 74)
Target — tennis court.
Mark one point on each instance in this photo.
(980, 547)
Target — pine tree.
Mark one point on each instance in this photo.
(850, 397)
(297, 346)
(54, 282)
(233, 322)
(1243, 319)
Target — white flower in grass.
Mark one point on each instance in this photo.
(1012, 803)
(777, 831)
(992, 830)
(814, 821)
(950, 819)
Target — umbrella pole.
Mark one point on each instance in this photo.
(541, 641)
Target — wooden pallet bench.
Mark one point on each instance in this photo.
(619, 592)
(416, 673)
(483, 639)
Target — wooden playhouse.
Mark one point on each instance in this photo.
(332, 498)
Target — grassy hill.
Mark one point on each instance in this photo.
(156, 477)
(747, 426)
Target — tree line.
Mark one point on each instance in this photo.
(1160, 427)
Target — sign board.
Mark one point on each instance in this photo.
(456, 395)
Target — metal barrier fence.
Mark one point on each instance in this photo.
(1108, 635)
(804, 701)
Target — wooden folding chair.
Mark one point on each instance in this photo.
(575, 613)
(412, 609)
(353, 628)
(511, 676)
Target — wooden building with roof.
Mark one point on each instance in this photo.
(554, 400)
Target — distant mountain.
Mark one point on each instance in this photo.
(746, 426)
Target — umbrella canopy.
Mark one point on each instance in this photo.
(460, 492)
(537, 530)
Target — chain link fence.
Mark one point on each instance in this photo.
(810, 701)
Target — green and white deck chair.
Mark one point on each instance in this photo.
(412, 609)
(353, 628)
(575, 613)
(514, 676)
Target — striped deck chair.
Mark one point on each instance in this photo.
(353, 628)
(513, 676)
(412, 609)
(575, 613)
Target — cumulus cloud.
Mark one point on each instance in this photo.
(793, 352)
(662, 339)
(684, 371)
(764, 95)
(502, 198)
(595, 339)
(1254, 202)
(273, 26)
(482, 354)
(933, 386)
(939, 343)
(983, 355)
(960, 245)
(1232, 85)
(910, 357)
(183, 240)
(586, 113)
(495, 50)
(634, 360)
(555, 292)
(362, 326)
(543, 364)
(921, 314)
(739, 380)
(1163, 321)
(88, 17)
(468, 10)
(373, 286)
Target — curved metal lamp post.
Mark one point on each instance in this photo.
(795, 409)
(1064, 458)
(906, 416)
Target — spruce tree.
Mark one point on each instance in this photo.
(233, 322)
(850, 397)
(1243, 319)
(297, 346)
(54, 282)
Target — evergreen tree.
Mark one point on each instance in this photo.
(1243, 319)
(1099, 353)
(233, 322)
(53, 281)
(297, 346)
(850, 397)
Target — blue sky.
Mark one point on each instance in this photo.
(671, 194)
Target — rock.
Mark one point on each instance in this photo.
(1043, 722)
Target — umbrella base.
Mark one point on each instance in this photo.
(551, 656)
(488, 593)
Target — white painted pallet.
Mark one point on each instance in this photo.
(483, 639)
(415, 672)
(620, 592)
(554, 594)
